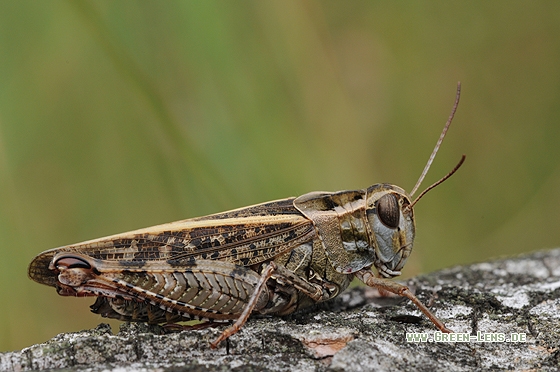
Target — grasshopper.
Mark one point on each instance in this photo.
(271, 258)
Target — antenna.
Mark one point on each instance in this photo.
(438, 182)
(438, 144)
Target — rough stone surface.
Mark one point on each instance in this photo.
(357, 332)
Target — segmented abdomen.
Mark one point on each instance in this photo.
(208, 289)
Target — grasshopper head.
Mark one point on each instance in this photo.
(390, 216)
(391, 222)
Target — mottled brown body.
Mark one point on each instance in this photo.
(208, 268)
(271, 258)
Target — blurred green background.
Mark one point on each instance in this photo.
(121, 115)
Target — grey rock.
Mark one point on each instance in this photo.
(359, 331)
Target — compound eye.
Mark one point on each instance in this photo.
(388, 210)
(69, 262)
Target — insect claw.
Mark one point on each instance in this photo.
(214, 345)
(224, 336)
